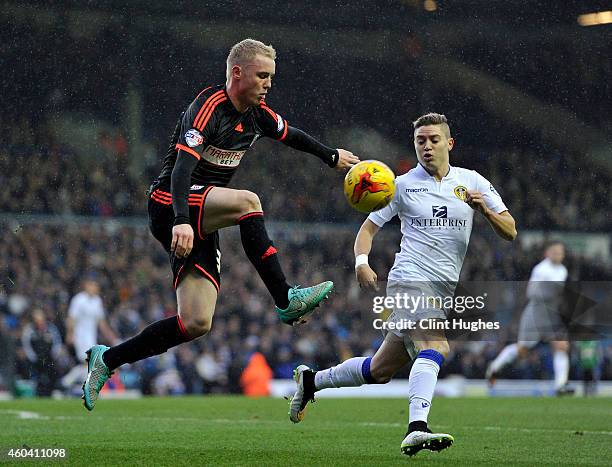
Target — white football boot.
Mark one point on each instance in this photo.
(304, 377)
(418, 440)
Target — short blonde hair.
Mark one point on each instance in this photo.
(246, 50)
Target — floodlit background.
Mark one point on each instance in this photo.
(90, 93)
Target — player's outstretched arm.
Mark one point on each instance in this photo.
(502, 223)
(338, 158)
(366, 276)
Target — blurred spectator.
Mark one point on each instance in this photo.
(7, 362)
(255, 379)
(589, 360)
(168, 380)
(186, 366)
(212, 371)
(42, 344)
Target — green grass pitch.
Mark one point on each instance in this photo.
(353, 432)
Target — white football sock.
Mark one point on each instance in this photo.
(421, 385)
(505, 357)
(561, 368)
(347, 374)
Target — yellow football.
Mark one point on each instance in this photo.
(369, 186)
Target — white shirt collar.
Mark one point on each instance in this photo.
(422, 172)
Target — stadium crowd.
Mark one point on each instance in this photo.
(45, 265)
(54, 180)
(44, 262)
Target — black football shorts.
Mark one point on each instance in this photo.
(205, 257)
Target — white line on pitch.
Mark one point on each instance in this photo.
(25, 415)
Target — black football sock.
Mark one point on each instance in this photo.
(155, 339)
(418, 425)
(309, 384)
(261, 252)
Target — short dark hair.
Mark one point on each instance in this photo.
(550, 243)
(432, 118)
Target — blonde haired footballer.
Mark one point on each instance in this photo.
(435, 203)
(190, 202)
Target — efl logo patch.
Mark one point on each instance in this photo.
(280, 124)
(193, 138)
(440, 212)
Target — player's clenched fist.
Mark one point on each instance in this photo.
(346, 159)
(366, 277)
(182, 240)
(475, 200)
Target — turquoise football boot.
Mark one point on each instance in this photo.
(302, 302)
(98, 374)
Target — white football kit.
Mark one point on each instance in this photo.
(436, 223)
(86, 311)
(541, 319)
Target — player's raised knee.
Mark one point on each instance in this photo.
(197, 327)
(249, 202)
